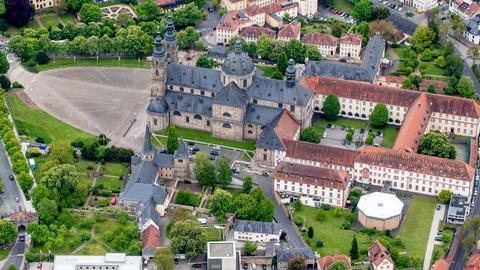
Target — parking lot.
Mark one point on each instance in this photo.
(214, 151)
(335, 136)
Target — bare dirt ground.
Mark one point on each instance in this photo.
(23, 96)
(97, 100)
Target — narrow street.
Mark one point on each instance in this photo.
(16, 256)
(438, 216)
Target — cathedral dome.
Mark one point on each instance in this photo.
(238, 63)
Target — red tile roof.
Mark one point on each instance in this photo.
(474, 262)
(256, 32)
(164, 2)
(413, 126)
(423, 85)
(311, 175)
(473, 152)
(326, 261)
(291, 30)
(22, 216)
(441, 264)
(253, 10)
(151, 237)
(287, 126)
(417, 163)
(377, 253)
(473, 9)
(232, 21)
(390, 95)
(352, 39)
(320, 153)
(319, 39)
(277, 7)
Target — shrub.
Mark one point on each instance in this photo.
(326, 207)
(42, 58)
(85, 236)
(338, 212)
(310, 232)
(309, 135)
(368, 231)
(40, 140)
(298, 220)
(17, 85)
(426, 55)
(33, 152)
(321, 215)
(370, 138)
(187, 198)
(5, 82)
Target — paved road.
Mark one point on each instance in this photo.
(8, 204)
(438, 216)
(16, 256)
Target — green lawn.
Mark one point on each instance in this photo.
(214, 234)
(116, 169)
(336, 240)
(4, 253)
(85, 166)
(87, 180)
(89, 62)
(390, 132)
(113, 184)
(191, 134)
(432, 69)
(32, 24)
(343, 5)
(49, 21)
(267, 71)
(92, 248)
(316, 27)
(416, 226)
(68, 18)
(37, 123)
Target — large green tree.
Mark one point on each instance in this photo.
(4, 65)
(362, 11)
(8, 232)
(247, 183)
(39, 232)
(62, 178)
(444, 196)
(61, 151)
(187, 15)
(437, 144)
(205, 62)
(249, 248)
(220, 202)
(422, 38)
(338, 265)
(163, 258)
(204, 170)
(379, 116)
(331, 107)
(172, 139)
(90, 13)
(264, 47)
(47, 211)
(187, 37)
(295, 50)
(76, 5)
(309, 135)
(312, 53)
(354, 249)
(297, 263)
(148, 11)
(454, 65)
(188, 238)
(224, 173)
(465, 87)
(282, 62)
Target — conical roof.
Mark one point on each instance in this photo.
(147, 142)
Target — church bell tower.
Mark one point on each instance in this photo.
(159, 66)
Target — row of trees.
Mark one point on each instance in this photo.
(211, 174)
(13, 148)
(95, 149)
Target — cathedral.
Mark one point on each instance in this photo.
(233, 103)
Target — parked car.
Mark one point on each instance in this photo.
(324, 135)
(214, 153)
(212, 157)
(21, 238)
(191, 143)
(216, 147)
(11, 177)
(362, 131)
(329, 125)
(344, 142)
(17, 199)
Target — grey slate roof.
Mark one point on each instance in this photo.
(403, 24)
(269, 140)
(163, 160)
(181, 152)
(147, 142)
(146, 211)
(259, 114)
(237, 62)
(231, 95)
(178, 101)
(257, 227)
(284, 255)
(276, 90)
(194, 77)
(366, 71)
(157, 105)
(473, 25)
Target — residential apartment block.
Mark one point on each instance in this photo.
(230, 25)
(350, 46)
(305, 7)
(257, 231)
(326, 44)
(472, 32)
(347, 46)
(465, 9)
(252, 33)
(379, 258)
(289, 31)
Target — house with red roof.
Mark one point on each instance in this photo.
(379, 258)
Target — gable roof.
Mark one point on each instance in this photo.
(377, 253)
(326, 261)
(284, 255)
(320, 153)
(416, 163)
(311, 175)
(319, 39)
(291, 30)
(181, 152)
(151, 237)
(257, 227)
(441, 264)
(231, 95)
(276, 90)
(256, 32)
(352, 39)
(277, 7)
(269, 139)
(194, 77)
(262, 115)
(286, 125)
(474, 262)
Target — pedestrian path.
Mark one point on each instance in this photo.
(437, 217)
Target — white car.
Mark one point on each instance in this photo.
(216, 147)
(324, 135)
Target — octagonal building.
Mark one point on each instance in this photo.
(380, 211)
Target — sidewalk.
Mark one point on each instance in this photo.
(438, 216)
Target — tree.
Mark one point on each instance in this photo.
(331, 107)
(310, 232)
(440, 61)
(379, 13)
(4, 65)
(415, 79)
(61, 151)
(338, 265)
(264, 47)
(188, 238)
(422, 38)
(426, 55)
(5, 82)
(220, 202)
(204, 170)
(465, 87)
(309, 135)
(148, 11)
(297, 204)
(277, 75)
(249, 248)
(172, 139)
(247, 183)
(42, 58)
(407, 84)
(25, 181)
(354, 249)
(297, 263)
(8, 232)
(90, 13)
(295, 50)
(438, 145)
(336, 29)
(431, 89)
(62, 178)
(454, 65)
(444, 196)
(215, 3)
(187, 37)
(379, 116)
(187, 15)
(205, 62)
(18, 12)
(362, 11)
(282, 62)
(224, 173)
(163, 258)
(312, 53)
(385, 28)
(474, 53)
(75, 5)
(47, 211)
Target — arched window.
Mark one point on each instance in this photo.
(177, 113)
(390, 120)
(198, 117)
(250, 132)
(363, 115)
(397, 121)
(343, 113)
(317, 109)
(227, 114)
(250, 125)
(227, 125)
(350, 113)
(357, 115)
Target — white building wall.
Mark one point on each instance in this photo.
(256, 237)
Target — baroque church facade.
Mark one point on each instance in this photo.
(232, 103)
